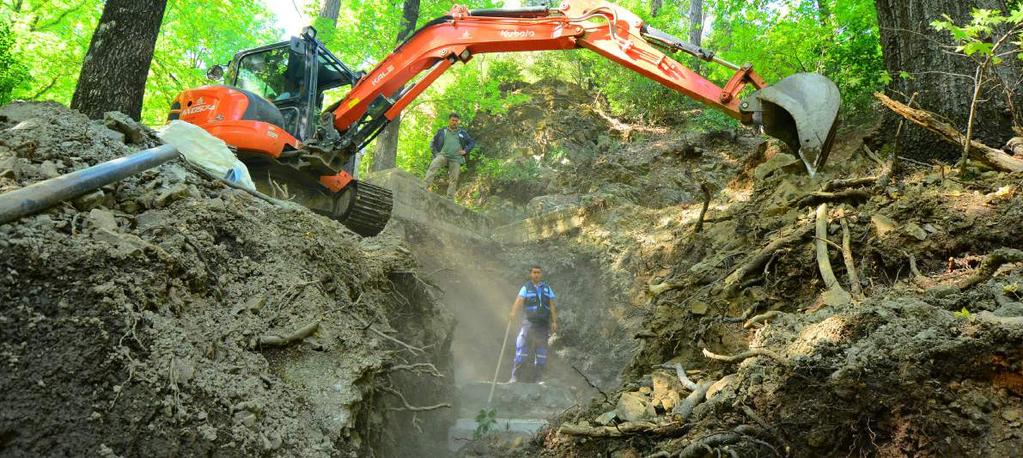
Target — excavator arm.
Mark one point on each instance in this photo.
(800, 110)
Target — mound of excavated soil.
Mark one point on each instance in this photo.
(927, 363)
(141, 320)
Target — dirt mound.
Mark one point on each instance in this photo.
(168, 315)
(926, 362)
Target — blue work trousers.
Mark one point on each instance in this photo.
(531, 351)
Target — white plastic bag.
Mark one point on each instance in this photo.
(206, 151)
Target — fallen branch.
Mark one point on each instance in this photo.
(734, 280)
(850, 263)
(703, 211)
(622, 429)
(680, 372)
(990, 265)
(987, 155)
(409, 407)
(752, 353)
(279, 341)
(850, 196)
(762, 318)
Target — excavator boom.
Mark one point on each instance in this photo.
(800, 110)
(268, 109)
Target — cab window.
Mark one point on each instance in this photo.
(273, 74)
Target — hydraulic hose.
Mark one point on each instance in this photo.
(45, 194)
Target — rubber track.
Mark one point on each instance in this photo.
(370, 209)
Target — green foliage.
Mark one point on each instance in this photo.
(52, 36)
(12, 72)
(840, 41)
(980, 38)
(486, 421)
(964, 314)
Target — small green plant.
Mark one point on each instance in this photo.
(1012, 289)
(486, 421)
(983, 40)
(965, 314)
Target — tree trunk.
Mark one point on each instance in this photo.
(115, 69)
(944, 81)
(696, 22)
(655, 7)
(824, 12)
(386, 155)
(330, 10)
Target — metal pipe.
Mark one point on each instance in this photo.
(45, 194)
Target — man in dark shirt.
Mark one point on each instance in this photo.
(450, 145)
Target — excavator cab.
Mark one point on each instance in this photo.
(268, 111)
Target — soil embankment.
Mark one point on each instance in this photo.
(154, 317)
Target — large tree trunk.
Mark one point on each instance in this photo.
(114, 73)
(696, 22)
(386, 155)
(944, 81)
(655, 7)
(330, 10)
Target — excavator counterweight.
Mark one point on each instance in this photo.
(269, 107)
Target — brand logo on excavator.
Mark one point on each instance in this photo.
(378, 78)
(517, 33)
(197, 108)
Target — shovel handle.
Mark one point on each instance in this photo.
(500, 358)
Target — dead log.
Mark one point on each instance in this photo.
(987, 155)
(756, 263)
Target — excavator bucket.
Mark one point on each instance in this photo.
(802, 111)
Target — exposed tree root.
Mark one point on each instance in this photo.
(628, 428)
(734, 281)
(279, 341)
(823, 260)
(607, 400)
(857, 182)
(409, 407)
(685, 408)
(707, 444)
(746, 355)
(680, 372)
(850, 196)
(660, 288)
(419, 368)
(990, 265)
(762, 318)
(703, 210)
(850, 263)
(987, 155)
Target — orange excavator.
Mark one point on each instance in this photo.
(270, 109)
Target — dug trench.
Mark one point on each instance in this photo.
(169, 315)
